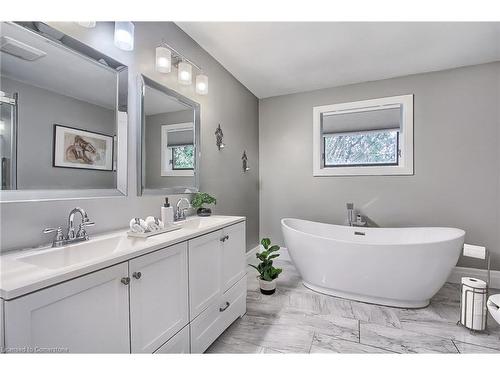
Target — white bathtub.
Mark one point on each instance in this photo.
(401, 267)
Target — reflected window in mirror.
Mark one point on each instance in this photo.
(370, 137)
(169, 133)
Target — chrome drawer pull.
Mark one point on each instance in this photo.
(223, 239)
(221, 309)
(137, 275)
(125, 280)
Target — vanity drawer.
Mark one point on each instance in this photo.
(216, 318)
(179, 344)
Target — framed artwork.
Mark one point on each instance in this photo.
(82, 149)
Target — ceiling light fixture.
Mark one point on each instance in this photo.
(124, 35)
(202, 84)
(163, 60)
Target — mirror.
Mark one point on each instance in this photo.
(63, 124)
(170, 131)
(369, 137)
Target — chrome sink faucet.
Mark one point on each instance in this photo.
(180, 213)
(72, 236)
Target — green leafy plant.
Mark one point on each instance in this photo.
(201, 199)
(265, 268)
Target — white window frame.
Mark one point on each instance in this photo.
(405, 166)
(166, 167)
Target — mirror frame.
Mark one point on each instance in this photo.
(141, 151)
(86, 52)
(403, 168)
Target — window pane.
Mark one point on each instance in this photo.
(363, 148)
(183, 157)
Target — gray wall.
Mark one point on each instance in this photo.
(228, 103)
(457, 159)
(38, 111)
(154, 179)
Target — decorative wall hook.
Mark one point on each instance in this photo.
(244, 158)
(218, 138)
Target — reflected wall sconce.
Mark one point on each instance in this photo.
(87, 24)
(167, 56)
(218, 138)
(244, 159)
(124, 35)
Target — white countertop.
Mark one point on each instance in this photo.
(19, 277)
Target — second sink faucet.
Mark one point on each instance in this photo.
(180, 213)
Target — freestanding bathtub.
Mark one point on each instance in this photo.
(400, 267)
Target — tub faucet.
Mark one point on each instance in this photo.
(354, 220)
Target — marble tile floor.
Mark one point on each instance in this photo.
(298, 320)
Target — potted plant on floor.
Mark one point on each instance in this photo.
(199, 200)
(267, 272)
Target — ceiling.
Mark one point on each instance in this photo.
(60, 70)
(277, 58)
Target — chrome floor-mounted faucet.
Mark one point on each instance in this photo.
(354, 220)
(72, 235)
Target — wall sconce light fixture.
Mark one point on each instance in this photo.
(244, 158)
(185, 73)
(124, 35)
(201, 84)
(218, 138)
(163, 60)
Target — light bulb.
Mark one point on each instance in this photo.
(124, 35)
(201, 84)
(163, 60)
(185, 74)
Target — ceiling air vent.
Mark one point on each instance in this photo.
(16, 48)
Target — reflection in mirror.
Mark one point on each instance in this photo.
(61, 126)
(169, 134)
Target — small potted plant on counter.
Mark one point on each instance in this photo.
(267, 272)
(199, 200)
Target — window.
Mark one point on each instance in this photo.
(369, 137)
(378, 147)
(182, 157)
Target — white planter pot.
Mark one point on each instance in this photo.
(267, 287)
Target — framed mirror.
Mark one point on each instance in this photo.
(169, 160)
(63, 125)
(364, 138)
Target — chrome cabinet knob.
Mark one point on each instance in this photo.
(223, 239)
(125, 280)
(137, 275)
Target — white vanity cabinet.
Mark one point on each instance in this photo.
(217, 286)
(85, 315)
(177, 299)
(158, 297)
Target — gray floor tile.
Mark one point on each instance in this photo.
(328, 344)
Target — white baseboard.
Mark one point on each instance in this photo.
(459, 272)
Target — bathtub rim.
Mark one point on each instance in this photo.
(371, 228)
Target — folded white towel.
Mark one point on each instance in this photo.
(138, 225)
(154, 224)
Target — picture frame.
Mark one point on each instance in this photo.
(82, 149)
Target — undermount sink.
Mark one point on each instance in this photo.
(74, 254)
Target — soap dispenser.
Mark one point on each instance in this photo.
(167, 213)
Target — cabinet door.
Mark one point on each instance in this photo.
(233, 255)
(158, 297)
(204, 272)
(2, 342)
(85, 315)
(179, 344)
